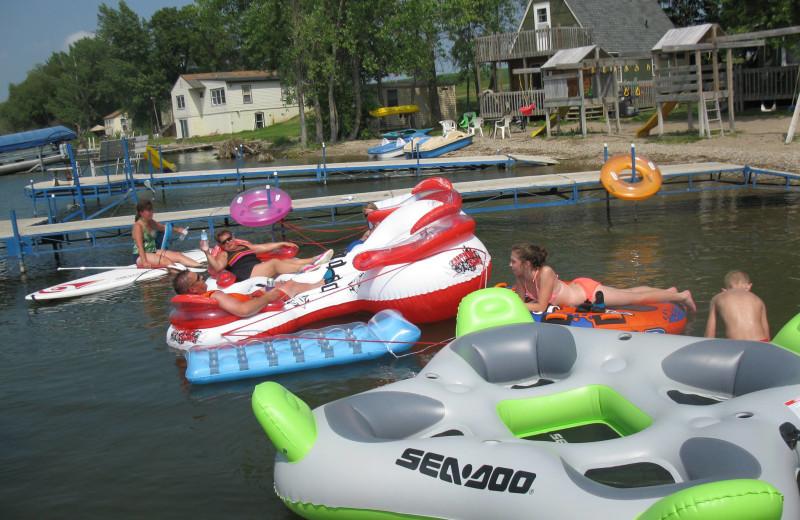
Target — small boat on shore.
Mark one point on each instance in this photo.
(387, 149)
(408, 132)
(436, 146)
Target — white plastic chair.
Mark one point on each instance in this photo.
(476, 125)
(448, 125)
(503, 125)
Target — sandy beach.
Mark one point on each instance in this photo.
(757, 142)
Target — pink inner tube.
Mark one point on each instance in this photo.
(260, 206)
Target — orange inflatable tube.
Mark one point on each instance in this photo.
(611, 177)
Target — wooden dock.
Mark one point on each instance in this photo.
(35, 236)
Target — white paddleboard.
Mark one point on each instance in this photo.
(105, 280)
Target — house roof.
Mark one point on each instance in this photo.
(693, 35)
(629, 27)
(566, 57)
(33, 138)
(113, 114)
(196, 80)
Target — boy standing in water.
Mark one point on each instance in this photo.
(742, 312)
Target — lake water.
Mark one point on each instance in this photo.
(98, 420)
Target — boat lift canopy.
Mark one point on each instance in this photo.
(33, 138)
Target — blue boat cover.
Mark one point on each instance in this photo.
(35, 138)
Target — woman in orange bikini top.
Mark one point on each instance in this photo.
(539, 287)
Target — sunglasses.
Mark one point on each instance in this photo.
(222, 243)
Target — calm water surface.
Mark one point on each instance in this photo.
(98, 420)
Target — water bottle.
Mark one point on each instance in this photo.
(204, 240)
(183, 234)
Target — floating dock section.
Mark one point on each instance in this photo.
(34, 237)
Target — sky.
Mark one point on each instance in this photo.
(32, 30)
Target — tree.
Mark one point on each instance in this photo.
(79, 99)
(685, 13)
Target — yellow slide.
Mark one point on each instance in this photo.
(152, 155)
(644, 130)
(562, 111)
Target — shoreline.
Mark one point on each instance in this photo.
(757, 142)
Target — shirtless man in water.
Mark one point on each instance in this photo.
(189, 282)
(742, 312)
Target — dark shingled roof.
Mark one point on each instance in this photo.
(628, 27)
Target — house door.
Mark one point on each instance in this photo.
(541, 18)
(259, 120)
(184, 128)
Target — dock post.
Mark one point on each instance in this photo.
(236, 154)
(275, 176)
(77, 180)
(417, 155)
(605, 152)
(18, 241)
(324, 166)
(633, 163)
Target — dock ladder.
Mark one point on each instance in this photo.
(711, 113)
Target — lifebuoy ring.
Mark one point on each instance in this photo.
(260, 206)
(612, 179)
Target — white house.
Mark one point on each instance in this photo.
(117, 124)
(228, 102)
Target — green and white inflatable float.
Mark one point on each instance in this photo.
(516, 420)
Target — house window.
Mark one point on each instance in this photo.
(184, 128)
(217, 96)
(247, 95)
(259, 120)
(541, 15)
(180, 102)
(391, 98)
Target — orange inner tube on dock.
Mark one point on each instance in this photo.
(611, 177)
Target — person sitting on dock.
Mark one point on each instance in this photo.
(189, 282)
(241, 260)
(742, 312)
(539, 287)
(145, 252)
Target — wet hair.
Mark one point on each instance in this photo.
(736, 277)
(533, 253)
(181, 283)
(141, 206)
(369, 205)
(223, 231)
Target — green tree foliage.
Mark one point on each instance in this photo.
(684, 13)
(738, 16)
(329, 51)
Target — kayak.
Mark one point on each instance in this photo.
(105, 280)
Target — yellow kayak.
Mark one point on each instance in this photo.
(390, 111)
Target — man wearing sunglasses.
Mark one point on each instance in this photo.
(240, 258)
(189, 282)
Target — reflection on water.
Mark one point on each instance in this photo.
(99, 420)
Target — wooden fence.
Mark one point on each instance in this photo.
(766, 84)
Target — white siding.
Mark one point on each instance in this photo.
(234, 116)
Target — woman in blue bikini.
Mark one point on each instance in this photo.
(539, 287)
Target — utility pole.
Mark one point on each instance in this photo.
(158, 125)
